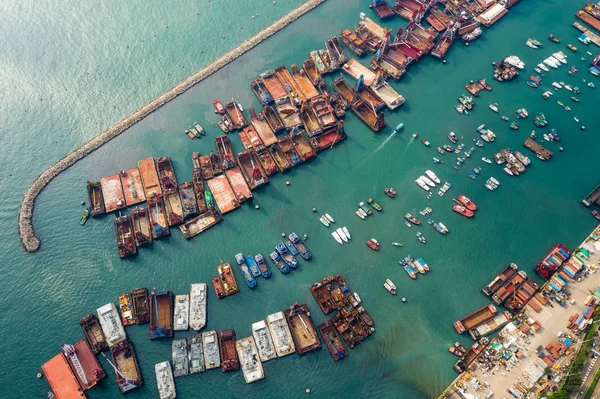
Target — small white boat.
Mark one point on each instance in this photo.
(360, 215)
(390, 287)
(496, 182)
(576, 119)
(324, 220)
(346, 232)
(358, 300)
(337, 237)
(427, 181)
(362, 211)
(489, 186)
(550, 63)
(508, 171)
(486, 160)
(555, 60)
(494, 107)
(422, 184)
(556, 85)
(341, 234)
(529, 44)
(328, 216)
(543, 67)
(561, 57)
(164, 380)
(432, 176)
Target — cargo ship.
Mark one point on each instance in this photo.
(126, 366)
(238, 184)
(158, 217)
(200, 223)
(249, 360)
(197, 306)
(198, 185)
(237, 117)
(149, 176)
(280, 332)
(490, 326)
(131, 181)
(272, 84)
(142, 229)
(126, 309)
(181, 312)
(541, 152)
(225, 152)
(264, 342)
(304, 83)
(287, 147)
(196, 354)
(93, 333)
(223, 194)
(522, 295)
(281, 160)
(161, 314)
(252, 170)
(229, 358)
(111, 324)
(273, 119)
(500, 279)
(309, 120)
(125, 236)
(227, 278)
(81, 359)
(95, 199)
(546, 267)
(61, 379)
(332, 340)
(302, 146)
(354, 43)
(475, 318)
(303, 330)
(288, 112)
(188, 200)
(262, 127)
(164, 380)
(320, 291)
(212, 355)
(313, 74)
(141, 307)
(509, 287)
(471, 354)
(260, 91)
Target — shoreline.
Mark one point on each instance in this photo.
(30, 242)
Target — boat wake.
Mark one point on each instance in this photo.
(379, 148)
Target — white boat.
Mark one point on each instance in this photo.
(529, 44)
(432, 176)
(419, 267)
(210, 344)
(342, 235)
(358, 300)
(543, 67)
(486, 160)
(555, 60)
(280, 332)
(250, 363)
(556, 85)
(489, 186)
(561, 57)
(551, 63)
(111, 324)
(568, 87)
(197, 306)
(422, 184)
(324, 221)
(181, 312)
(390, 286)
(337, 237)
(196, 354)
(494, 107)
(360, 215)
(347, 233)
(515, 61)
(164, 380)
(547, 137)
(493, 180)
(263, 340)
(508, 171)
(328, 216)
(362, 211)
(427, 181)
(445, 230)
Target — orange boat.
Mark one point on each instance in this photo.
(61, 378)
(81, 356)
(218, 286)
(462, 210)
(373, 244)
(467, 202)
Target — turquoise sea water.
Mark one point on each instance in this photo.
(71, 70)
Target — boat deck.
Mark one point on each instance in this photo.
(132, 187)
(149, 177)
(200, 223)
(374, 27)
(355, 69)
(263, 130)
(238, 184)
(275, 88)
(61, 378)
(89, 364)
(223, 194)
(477, 318)
(305, 85)
(389, 96)
(113, 193)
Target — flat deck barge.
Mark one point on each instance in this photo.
(238, 184)
(131, 181)
(286, 79)
(303, 330)
(509, 287)
(373, 26)
(142, 229)
(500, 279)
(304, 83)
(490, 16)
(355, 69)
(262, 128)
(93, 333)
(113, 193)
(200, 223)
(80, 354)
(252, 170)
(490, 326)
(223, 194)
(161, 314)
(149, 176)
(475, 318)
(591, 35)
(543, 153)
(158, 217)
(249, 360)
(61, 378)
(588, 19)
(593, 196)
(272, 84)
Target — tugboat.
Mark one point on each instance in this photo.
(278, 261)
(390, 192)
(84, 216)
(373, 244)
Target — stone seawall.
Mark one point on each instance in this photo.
(26, 231)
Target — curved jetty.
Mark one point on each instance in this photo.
(28, 238)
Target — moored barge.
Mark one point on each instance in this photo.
(490, 326)
(181, 312)
(158, 217)
(174, 209)
(96, 199)
(212, 355)
(309, 68)
(305, 151)
(385, 92)
(93, 333)
(188, 200)
(272, 84)
(198, 184)
(354, 43)
(126, 309)
(161, 314)
(111, 324)
(61, 378)
(471, 354)
(196, 354)
(288, 112)
(223, 194)
(273, 119)
(373, 119)
(281, 160)
(500, 279)
(252, 169)
(198, 306)
(320, 291)
(264, 342)
(125, 362)
(133, 189)
(141, 305)
(250, 362)
(304, 83)
(227, 278)
(238, 184)
(546, 267)
(324, 112)
(507, 289)
(142, 229)
(332, 340)
(229, 357)
(114, 198)
(260, 91)
(303, 330)
(309, 120)
(262, 128)
(149, 176)
(280, 332)
(164, 380)
(287, 147)
(82, 360)
(475, 318)
(521, 296)
(225, 152)
(180, 356)
(236, 115)
(541, 152)
(355, 69)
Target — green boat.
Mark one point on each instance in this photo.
(365, 208)
(199, 128)
(208, 197)
(84, 216)
(223, 127)
(374, 204)
(535, 42)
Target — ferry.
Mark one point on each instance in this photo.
(95, 199)
(332, 340)
(280, 332)
(462, 210)
(93, 333)
(196, 354)
(181, 312)
(142, 228)
(179, 351)
(490, 326)
(250, 280)
(125, 236)
(287, 257)
(229, 358)
(300, 247)
(197, 318)
(227, 278)
(250, 362)
(164, 380)
(111, 324)
(412, 219)
(126, 366)
(262, 266)
(126, 309)
(161, 314)
(263, 340)
(500, 279)
(278, 261)
(475, 318)
(210, 345)
(467, 202)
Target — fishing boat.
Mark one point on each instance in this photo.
(436, 160)
(373, 244)
(279, 263)
(412, 219)
(494, 107)
(390, 286)
(486, 160)
(553, 38)
(425, 142)
(374, 204)
(250, 362)
(462, 210)
(390, 192)
(84, 216)
(514, 126)
(287, 257)
(262, 266)
(301, 248)
(421, 238)
(248, 276)
(365, 208)
(346, 233)
(229, 357)
(337, 237)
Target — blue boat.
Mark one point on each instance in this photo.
(252, 265)
(304, 252)
(287, 257)
(281, 265)
(239, 258)
(291, 248)
(262, 266)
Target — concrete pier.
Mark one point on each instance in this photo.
(26, 231)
